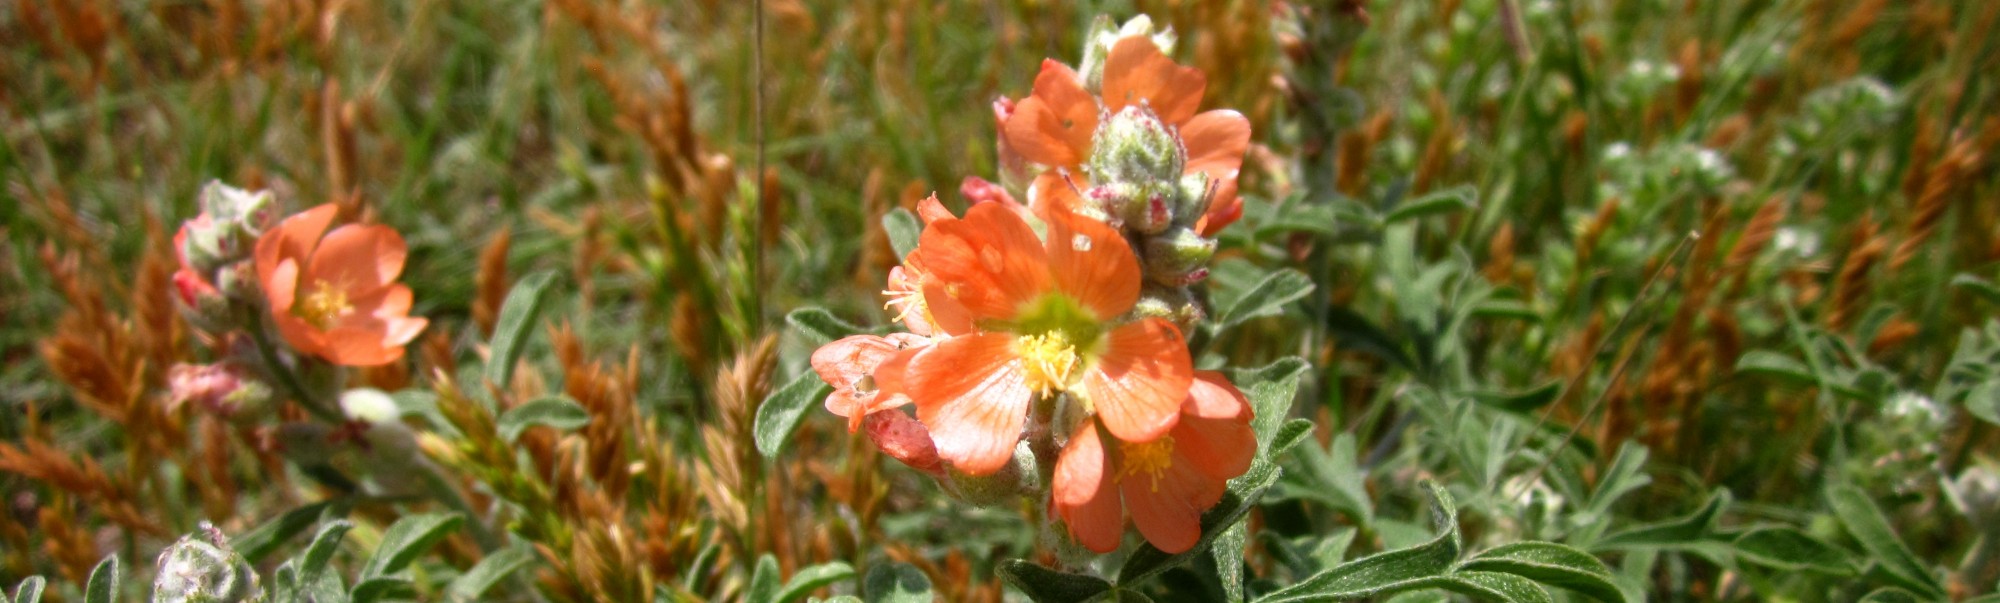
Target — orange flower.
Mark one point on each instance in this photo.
(849, 366)
(1055, 125)
(1022, 318)
(335, 296)
(1166, 483)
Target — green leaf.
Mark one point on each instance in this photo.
(1280, 287)
(1552, 564)
(381, 587)
(326, 589)
(1773, 364)
(558, 412)
(1892, 594)
(516, 324)
(903, 229)
(30, 590)
(1980, 286)
(497, 566)
(763, 581)
(103, 584)
(1355, 332)
(408, 539)
(1692, 528)
(780, 413)
(1865, 521)
(1791, 550)
(1227, 551)
(261, 541)
(1242, 495)
(820, 325)
(814, 578)
(1495, 586)
(1421, 566)
(319, 554)
(1291, 434)
(1044, 585)
(896, 582)
(1329, 476)
(1520, 402)
(1983, 401)
(1270, 389)
(1457, 198)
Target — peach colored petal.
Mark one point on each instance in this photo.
(293, 238)
(282, 285)
(1168, 509)
(990, 261)
(1083, 495)
(847, 361)
(1052, 190)
(303, 337)
(359, 345)
(359, 258)
(1137, 71)
(1214, 435)
(932, 210)
(1224, 208)
(1092, 263)
(1054, 125)
(402, 330)
(971, 393)
(1138, 384)
(1216, 141)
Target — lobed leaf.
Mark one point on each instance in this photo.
(1417, 567)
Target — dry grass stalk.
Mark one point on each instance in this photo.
(1593, 231)
(1948, 176)
(1893, 335)
(1757, 234)
(1439, 148)
(114, 499)
(1357, 149)
(729, 477)
(877, 254)
(1852, 286)
(1687, 89)
(490, 283)
(1499, 268)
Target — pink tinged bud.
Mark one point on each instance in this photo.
(220, 388)
(978, 190)
(903, 438)
(200, 302)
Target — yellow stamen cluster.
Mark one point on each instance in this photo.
(325, 303)
(1049, 359)
(1150, 459)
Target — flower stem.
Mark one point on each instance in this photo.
(277, 367)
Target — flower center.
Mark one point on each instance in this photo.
(325, 303)
(1049, 359)
(1150, 459)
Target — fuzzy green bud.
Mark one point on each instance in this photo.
(999, 487)
(1133, 145)
(1175, 304)
(226, 231)
(1177, 257)
(1103, 35)
(202, 568)
(1195, 193)
(1145, 208)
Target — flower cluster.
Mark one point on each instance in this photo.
(1047, 338)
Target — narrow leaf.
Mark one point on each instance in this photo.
(103, 584)
(262, 540)
(1354, 331)
(30, 590)
(763, 581)
(780, 413)
(558, 412)
(1552, 564)
(807, 580)
(1495, 586)
(497, 566)
(1268, 297)
(903, 229)
(1891, 594)
(1421, 566)
(897, 582)
(381, 587)
(1520, 402)
(408, 539)
(1984, 288)
(1776, 365)
(820, 325)
(516, 324)
(1227, 551)
(1694, 527)
(1291, 434)
(1865, 521)
(1791, 550)
(324, 544)
(1983, 401)
(1453, 199)
(1044, 585)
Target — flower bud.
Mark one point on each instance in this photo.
(200, 302)
(202, 567)
(1141, 207)
(224, 388)
(1133, 145)
(1102, 36)
(1195, 193)
(903, 438)
(369, 405)
(978, 190)
(241, 210)
(1176, 304)
(1177, 256)
(998, 487)
(227, 228)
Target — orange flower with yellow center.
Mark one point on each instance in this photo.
(1056, 124)
(1020, 318)
(1166, 483)
(334, 294)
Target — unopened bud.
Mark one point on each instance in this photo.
(903, 438)
(202, 567)
(200, 302)
(224, 388)
(238, 282)
(227, 228)
(1135, 146)
(1175, 304)
(1177, 257)
(1103, 35)
(978, 190)
(998, 487)
(240, 209)
(1195, 193)
(368, 405)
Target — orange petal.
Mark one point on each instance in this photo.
(1138, 385)
(1223, 209)
(359, 258)
(303, 337)
(845, 362)
(990, 262)
(293, 238)
(281, 286)
(1216, 141)
(971, 393)
(1092, 263)
(1168, 509)
(1054, 125)
(932, 210)
(1053, 189)
(1083, 495)
(1137, 71)
(1214, 434)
